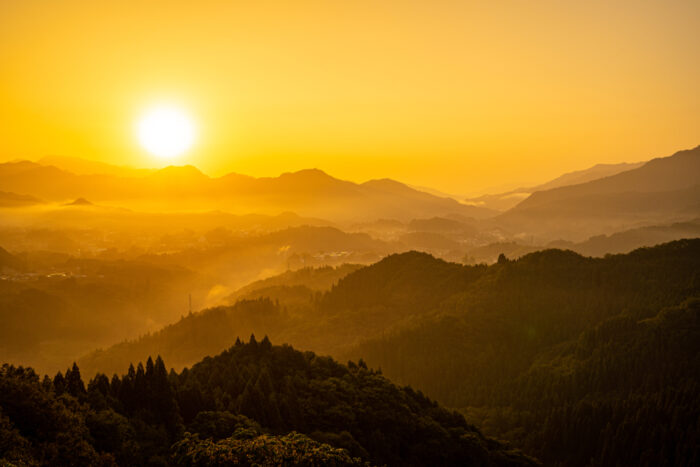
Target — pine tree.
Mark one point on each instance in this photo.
(74, 383)
(59, 383)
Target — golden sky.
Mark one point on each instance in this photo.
(455, 95)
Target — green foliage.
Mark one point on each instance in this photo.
(37, 427)
(579, 361)
(624, 383)
(247, 405)
(220, 424)
(353, 407)
(247, 447)
(492, 340)
(363, 304)
(569, 358)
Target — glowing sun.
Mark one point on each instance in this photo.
(166, 132)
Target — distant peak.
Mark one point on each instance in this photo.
(81, 166)
(79, 202)
(383, 181)
(316, 173)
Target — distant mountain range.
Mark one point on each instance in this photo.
(80, 166)
(509, 199)
(13, 200)
(9, 261)
(307, 193)
(663, 190)
(597, 245)
(602, 199)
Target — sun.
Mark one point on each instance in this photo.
(166, 132)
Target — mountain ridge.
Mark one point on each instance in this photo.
(509, 199)
(665, 189)
(308, 192)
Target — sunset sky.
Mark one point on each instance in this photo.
(459, 96)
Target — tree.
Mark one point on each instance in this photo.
(74, 383)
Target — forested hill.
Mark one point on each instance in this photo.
(493, 329)
(542, 298)
(364, 303)
(254, 404)
(588, 335)
(578, 361)
(411, 280)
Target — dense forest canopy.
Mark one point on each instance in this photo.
(495, 341)
(569, 358)
(254, 402)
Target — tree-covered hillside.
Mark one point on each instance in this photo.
(626, 392)
(476, 337)
(493, 329)
(391, 291)
(254, 404)
(570, 358)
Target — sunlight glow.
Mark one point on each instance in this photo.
(166, 132)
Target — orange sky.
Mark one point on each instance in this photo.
(455, 95)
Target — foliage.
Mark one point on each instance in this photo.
(249, 404)
(578, 361)
(246, 447)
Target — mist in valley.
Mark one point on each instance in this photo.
(324, 234)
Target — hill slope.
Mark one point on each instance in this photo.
(549, 350)
(252, 399)
(470, 336)
(13, 200)
(662, 190)
(507, 200)
(364, 303)
(598, 245)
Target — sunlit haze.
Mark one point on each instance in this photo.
(403, 233)
(454, 95)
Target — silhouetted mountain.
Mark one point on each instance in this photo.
(51, 183)
(628, 240)
(137, 227)
(395, 289)
(662, 190)
(468, 335)
(623, 393)
(10, 262)
(179, 175)
(599, 245)
(313, 279)
(307, 192)
(80, 166)
(13, 200)
(582, 176)
(509, 199)
(243, 259)
(488, 254)
(494, 349)
(79, 202)
(60, 307)
(246, 405)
